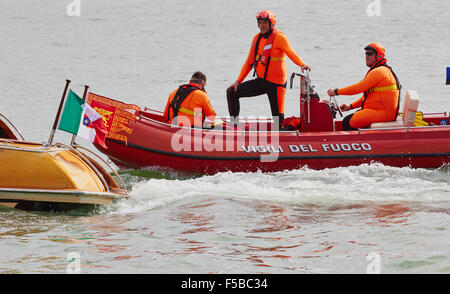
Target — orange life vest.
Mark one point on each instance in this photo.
(189, 101)
(265, 57)
(272, 67)
(181, 94)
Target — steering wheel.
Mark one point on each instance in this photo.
(337, 105)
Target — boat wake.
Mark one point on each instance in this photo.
(366, 183)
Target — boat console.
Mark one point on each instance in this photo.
(315, 115)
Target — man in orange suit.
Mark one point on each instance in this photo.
(191, 102)
(267, 58)
(381, 88)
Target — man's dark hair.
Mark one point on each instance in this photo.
(198, 77)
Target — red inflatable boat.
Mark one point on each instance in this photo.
(140, 139)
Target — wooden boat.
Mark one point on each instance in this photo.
(415, 139)
(35, 176)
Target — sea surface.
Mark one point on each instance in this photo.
(357, 220)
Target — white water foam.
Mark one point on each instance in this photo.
(373, 183)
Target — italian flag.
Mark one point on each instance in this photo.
(80, 119)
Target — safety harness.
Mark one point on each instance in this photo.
(265, 57)
(181, 94)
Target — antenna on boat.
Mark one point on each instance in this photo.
(72, 142)
(58, 114)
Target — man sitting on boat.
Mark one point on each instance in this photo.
(381, 88)
(189, 105)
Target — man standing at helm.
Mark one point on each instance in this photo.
(267, 58)
(381, 89)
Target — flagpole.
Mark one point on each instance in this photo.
(58, 114)
(84, 98)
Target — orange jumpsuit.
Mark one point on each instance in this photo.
(195, 107)
(275, 75)
(276, 72)
(380, 105)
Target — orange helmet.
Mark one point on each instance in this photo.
(267, 15)
(379, 50)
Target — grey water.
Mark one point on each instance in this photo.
(364, 219)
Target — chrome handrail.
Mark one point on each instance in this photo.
(109, 166)
(6, 140)
(88, 162)
(6, 144)
(13, 126)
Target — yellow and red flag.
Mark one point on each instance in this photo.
(115, 114)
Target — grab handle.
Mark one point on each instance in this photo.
(292, 78)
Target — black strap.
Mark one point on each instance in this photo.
(255, 61)
(267, 67)
(180, 96)
(399, 86)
